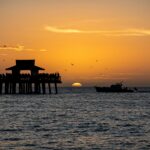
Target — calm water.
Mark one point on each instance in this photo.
(75, 120)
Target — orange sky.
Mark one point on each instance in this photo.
(95, 42)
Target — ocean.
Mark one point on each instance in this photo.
(75, 119)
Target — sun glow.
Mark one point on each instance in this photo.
(76, 84)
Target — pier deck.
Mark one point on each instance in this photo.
(28, 84)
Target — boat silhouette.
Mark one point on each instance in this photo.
(118, 88)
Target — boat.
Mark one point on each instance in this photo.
(118, 88)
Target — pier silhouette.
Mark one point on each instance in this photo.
(31, 83)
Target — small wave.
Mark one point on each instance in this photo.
(29, 145)
(11, 130)
(11, 139)
(102, 128)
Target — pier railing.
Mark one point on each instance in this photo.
(28, 84)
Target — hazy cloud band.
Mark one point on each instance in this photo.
(123, 32)
(19, 48)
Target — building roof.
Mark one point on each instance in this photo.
(25, 65)
(25, 68)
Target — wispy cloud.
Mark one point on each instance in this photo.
(122, 32)
(20, 48)
(17, 48)
(43, 50)
(61, 30)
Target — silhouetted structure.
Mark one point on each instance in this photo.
(32, 83)
(118, 87)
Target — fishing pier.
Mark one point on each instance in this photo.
(28, 83)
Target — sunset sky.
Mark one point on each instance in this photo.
(93, 42)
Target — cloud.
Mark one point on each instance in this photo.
(123, 32)
(43, 50)
(59, 30)
(17, 48)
